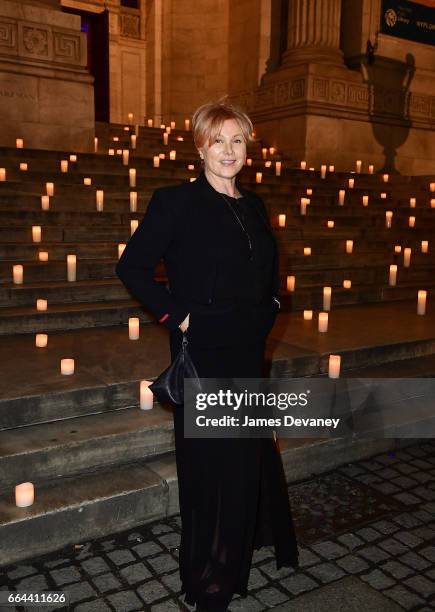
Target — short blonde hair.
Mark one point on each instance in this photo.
(207, 122)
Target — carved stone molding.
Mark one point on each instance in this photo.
(35, 40)
(8, 37)
(130, 24)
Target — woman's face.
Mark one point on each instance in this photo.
(226, 155)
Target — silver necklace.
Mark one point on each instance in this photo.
(240, 223)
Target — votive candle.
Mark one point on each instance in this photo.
(392, 280)
(18, 274)
(407, 257)
(133, 328)
(64, 165)
(421, 302)
(71, 261)
(334, 366)
(341, 195)
(323, 322)
(133, 201)
(308, 315)
(349, 246)
(41, 340)
(277, 168)
(291, 281)
(49, 188)
(24, 494)
(258, 177)
(67, 366)
(146, 395)
(424, 246)
(281, 220)
(347, 284)
(41, 304)
(327, 298)
(132, 175)
(36, 233)
(99, 197)
(388, 218)
(45, 202)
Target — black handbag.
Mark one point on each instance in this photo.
(169, 385)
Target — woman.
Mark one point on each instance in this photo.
(222, 266)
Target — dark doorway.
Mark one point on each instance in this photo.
(96, 28)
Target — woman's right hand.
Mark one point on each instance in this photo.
(184, 324)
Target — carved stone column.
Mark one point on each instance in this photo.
(313, 32)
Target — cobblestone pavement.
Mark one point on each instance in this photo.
(388, 543)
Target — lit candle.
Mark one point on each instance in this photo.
(146, 395)
(334, 366)
(371, 168)
(249, 161)
(19, 143)
(267, 164)
(45, 202)
(121, 247)
(165, 138)
(323, 322)
(187, 124)
(388, 218)
(73, 157)
(125, 157)
(349, 246)
(41, 340)
(351, 183)
(36, 233)
(67, 367)
(330, 224)
(278, 168)
(281, 220)
(358, 165)
(49, 188)
(432, 203)
(18, 273)
(133, 328)
(424, 246)
(397, 248)
(115, 139)
(111, 151)
(411, 221)
(341, 195)
(412, 202)
(41, 304)
(323, 171)
(393, 275)
(327, 298)
(272, 150)
(156, 161)
(291, 280)
(150, 123)
(168, 129)
(172, 154)
(2, 174)
(307, 250)
(309, 191)
(43, 255)
(432, 186)
(421, 302)
(133, 226)
(383, 196)
(304, 203)
(24, 494)
(385, 178)
(258, 177)
(130, 117)
(24, 166)
(331, 168)
(87, 181)
(308, 315)
(71, 262)
(99, 196)
(303, 165)
(191, 167)
(365, 200)
(172, 124)
(133, 139)
(133, 201)
(264, 152)
(64, 165)
(347, 284)
(132, 175)
(407, 257)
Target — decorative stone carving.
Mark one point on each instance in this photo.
(130, 25)
(8, 36)
(66, 47)
(35, 40)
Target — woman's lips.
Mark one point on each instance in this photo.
(228, 163)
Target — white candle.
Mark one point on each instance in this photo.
(264, 152)
(412, 202)
(111, 151)
(87, 181)
(95, 144)
(64, 165)
(432, 203)
(421, 302)
(351, 183)
(18, 274)
(304, 203)
(331, 168)
(191, 167)
(432, 186)
(358, 165)
(67, 367)
(392, 280)
(150, 123)
(2, 174)
(249, 161)
(411, 221)
(130, 117)
(397, 248)
(49, 188)
(388, 218)
(330, 224)
(327, 298)
(41, 304)
(133, 140)
(132, 175)
(267, 164)
(347, 284)
(272, 150)
(385, 178)
(341, 195)
(133, 328)
(323, 322)
(121, 247)
(118, 151)
(24, 494)
(41, 340)
(24, 166)
(146, 396)
(73, 157)
(383, 196)
(36, 233)
(406, 257)
(125, 157)
(187, 124)
(291, 280)
(115, 138)
(281, 220)
(424, 246)
(19, 143)
(173, 154)
(308, 315)
(258, 177)
(156, 161)
(309, 191)
(133, 226)
(43, 255)
(133, 201)
(323, 171)
(71, 262)
(334, 366)
(365, 200)
(99, 198)
(165, 138)
(45, 202)
(278, 168)
(303, 165)
(349, 246)
(307, 250)
(172, 124)
(371, 168)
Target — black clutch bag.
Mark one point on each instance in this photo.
(169, 385)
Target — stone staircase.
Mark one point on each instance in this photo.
(98, 462)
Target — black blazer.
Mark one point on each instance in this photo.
(182, 226)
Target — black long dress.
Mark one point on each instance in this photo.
(232, 492)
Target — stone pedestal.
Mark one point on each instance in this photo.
(46, 93)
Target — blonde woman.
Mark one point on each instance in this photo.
(223, 274)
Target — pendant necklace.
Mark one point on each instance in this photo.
(240, 223)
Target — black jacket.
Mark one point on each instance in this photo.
(181, 225)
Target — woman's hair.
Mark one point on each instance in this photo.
(207, 121)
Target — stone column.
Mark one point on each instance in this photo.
(313, 32)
